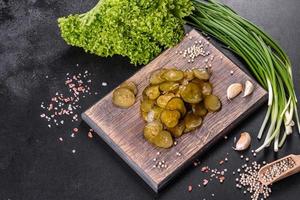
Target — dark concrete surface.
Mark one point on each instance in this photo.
(34, 165)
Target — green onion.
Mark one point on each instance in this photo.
(265, 59)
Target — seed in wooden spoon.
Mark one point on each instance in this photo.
(243, 142)
(274, 171)
(249, 88)
(234, 90)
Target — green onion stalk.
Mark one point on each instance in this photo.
(265, 59)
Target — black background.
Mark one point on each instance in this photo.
(35, 165)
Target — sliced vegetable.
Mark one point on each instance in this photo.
(192, 122)
(131, 86)
(191, 93)
(212, 103)
(163, 139)
(173, 75)
(170, 118)
(123, 98)
(151, 130)
(179, 93)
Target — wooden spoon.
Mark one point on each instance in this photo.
(285, 174)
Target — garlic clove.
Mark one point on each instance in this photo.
(234, 90)
(249, 88)
(243, 142)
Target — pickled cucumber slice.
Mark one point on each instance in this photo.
(212, 103)
(170, 118)
(173, 75)
(123, 98)
(152, 92)
(176, 104)
(189, 75)
(156, 77)
(168, 86)
(201, 74)
(192, 122)
(147, 104)
(163, 140)
(144, 115)
(154, 114)
(130, 85)
(177, 131)
(151, 130)
(206, 88)
(162, 100)
(199, 109)
(191, 93)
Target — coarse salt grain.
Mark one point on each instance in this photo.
(90, 135)
(205, 182)
(104, 84)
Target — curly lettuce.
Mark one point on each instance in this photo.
(138, 29)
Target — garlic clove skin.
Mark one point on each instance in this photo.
(249, 88)
(234, 90)
(243, 142)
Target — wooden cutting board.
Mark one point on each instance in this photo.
(122, 129)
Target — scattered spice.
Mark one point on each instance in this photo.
(90, 135)
(249, 180)
(64, 106)
(205, 182)
(159, 163)
(190, 188)
(195, 50)
(205, 169)
(222, 179)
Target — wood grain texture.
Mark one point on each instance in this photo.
(122, 129)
